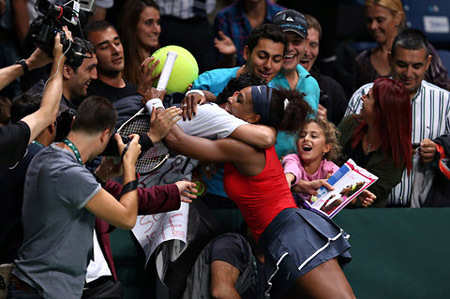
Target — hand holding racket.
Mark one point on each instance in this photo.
(152, 157)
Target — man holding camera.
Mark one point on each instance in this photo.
(61, 201)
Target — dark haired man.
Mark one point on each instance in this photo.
(264, 55)
(77, 77)
(409, 60)
(151, 200)
(111, 63)
(332, 102)
(61, 200)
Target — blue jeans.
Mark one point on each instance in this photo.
(17, 291)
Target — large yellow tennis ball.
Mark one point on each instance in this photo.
(184, 72)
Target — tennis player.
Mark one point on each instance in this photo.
(303, 250)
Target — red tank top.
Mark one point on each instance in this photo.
(261, 197)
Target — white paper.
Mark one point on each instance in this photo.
(152, 230)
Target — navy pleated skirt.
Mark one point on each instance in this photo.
(297, 241)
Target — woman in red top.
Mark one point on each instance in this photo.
(303, 250)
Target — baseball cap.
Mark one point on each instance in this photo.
(291, 20)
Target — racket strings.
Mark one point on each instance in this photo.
(153, 157)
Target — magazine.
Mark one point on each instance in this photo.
(348, 182)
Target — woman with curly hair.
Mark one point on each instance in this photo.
(303, 249)
(317, 148)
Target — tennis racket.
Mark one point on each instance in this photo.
(154, 157)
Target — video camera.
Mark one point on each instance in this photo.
(54, 17)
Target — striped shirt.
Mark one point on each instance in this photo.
(430, 119)
(183, 9)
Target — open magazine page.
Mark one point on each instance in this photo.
(348, 182)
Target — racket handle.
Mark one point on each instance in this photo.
(167, 70)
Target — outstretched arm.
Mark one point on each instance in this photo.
(10, 73)
(46, 114)
(249, 160)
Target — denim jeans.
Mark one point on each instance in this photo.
(16, 292)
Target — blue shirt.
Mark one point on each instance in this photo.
(306, 84)
(215, 80)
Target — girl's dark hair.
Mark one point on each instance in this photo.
(290, 119)
(128, 20)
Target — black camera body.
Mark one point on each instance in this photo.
(45, 27)
(64, 123)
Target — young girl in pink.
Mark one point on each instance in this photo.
(317, 146)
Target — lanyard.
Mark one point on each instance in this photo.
(37, 143)
(74, 149)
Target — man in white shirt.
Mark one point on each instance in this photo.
(409, 61)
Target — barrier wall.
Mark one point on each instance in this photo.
(397, 253)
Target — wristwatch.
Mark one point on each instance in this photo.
(23, 64)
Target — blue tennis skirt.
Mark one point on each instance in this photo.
(297, 241)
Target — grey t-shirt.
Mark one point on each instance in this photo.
(57, 229)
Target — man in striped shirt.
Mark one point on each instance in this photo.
(409, 60)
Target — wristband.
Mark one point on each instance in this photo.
(145, 142)
(198, 91)
(130, 186)
(24, 65)
(154, 104)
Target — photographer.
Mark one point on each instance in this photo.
(15, 137)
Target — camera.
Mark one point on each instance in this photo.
(53, 18)
(64, 123)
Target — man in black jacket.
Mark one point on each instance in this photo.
(332, 102)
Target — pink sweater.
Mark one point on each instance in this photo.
(293, 164)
